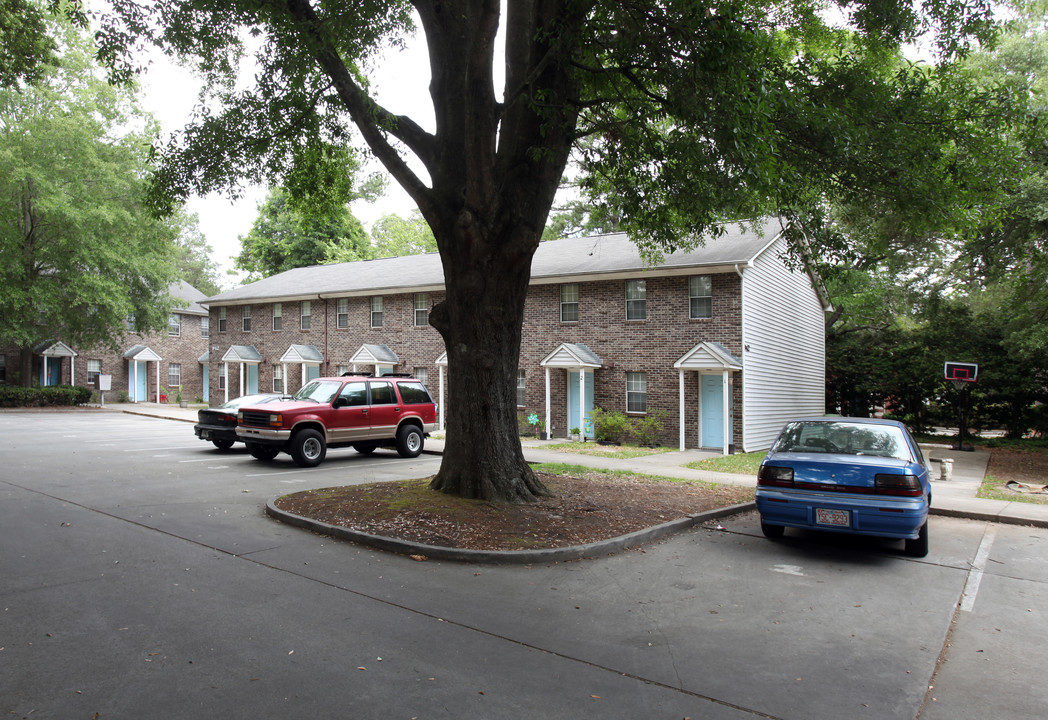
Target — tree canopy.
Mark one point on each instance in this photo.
(695, 113)
(81, 250)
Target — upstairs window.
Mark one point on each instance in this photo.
(278, 316)
(205, 326)
(636, 300)
(421, 309)
(221, 319)
(376, 312)
(174, 324)
(306, 317)
(700, 297)
(636, 392)
(246, 318)
(342, 314)
(569, 303)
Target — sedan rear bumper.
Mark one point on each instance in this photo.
(894, 518)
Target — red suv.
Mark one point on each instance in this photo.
(362, 412)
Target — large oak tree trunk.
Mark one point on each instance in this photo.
(480, 320)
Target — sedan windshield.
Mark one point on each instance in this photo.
(844, 438)
(319, 391)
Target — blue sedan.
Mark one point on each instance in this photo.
(851, 475)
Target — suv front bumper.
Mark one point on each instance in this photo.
(263, 436)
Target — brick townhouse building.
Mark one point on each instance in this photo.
(724, 342)
(146, 366)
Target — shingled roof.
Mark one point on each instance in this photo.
(587, 258)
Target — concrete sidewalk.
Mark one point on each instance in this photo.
(953, 498)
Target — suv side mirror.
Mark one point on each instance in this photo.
(341, 402)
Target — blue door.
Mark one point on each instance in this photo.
(573, 403)
(207, 389)
(139, 373)
(712, 411)
(252, 380)
(50, 371)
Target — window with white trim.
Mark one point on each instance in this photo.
(94, 369)
(569, 302)
(342, 314)
(245, 318)
(174, 324)
(221, 319)
(700, 297)
(421, 374)
(205, 326)
(521, 386)
(376, 311)
(278, 316)
(636, 300)
(637, 392)
(222, 376)
(341, 370)
(306, 315)
(174, 375)
(278, 378)
(421, 309)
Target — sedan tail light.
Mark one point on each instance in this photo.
(775, 476)
(902, 485)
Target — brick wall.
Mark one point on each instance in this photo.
(651, 345)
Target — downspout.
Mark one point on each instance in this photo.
(742, 340)
(327, 361)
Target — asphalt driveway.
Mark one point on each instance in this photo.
(141, 579)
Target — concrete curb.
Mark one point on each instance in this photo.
(506, 557)
(994, 517)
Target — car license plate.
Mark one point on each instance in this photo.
(836, 518)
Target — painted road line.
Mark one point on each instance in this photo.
(975, 574)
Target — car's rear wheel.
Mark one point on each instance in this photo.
(365, 448)
(409, 441)
(222, 444)
(262, 452)
(772, 531)
(918, 547)
(308, 448)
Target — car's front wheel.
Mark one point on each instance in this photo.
(409, 441)
(308, 448)
(262, 452)
(918, 547)
(222, 444)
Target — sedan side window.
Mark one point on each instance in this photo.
(354, 394)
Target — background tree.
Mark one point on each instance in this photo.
(193, 257)
(81, 251)
(394, 236)
(699, 112)
(286, 236)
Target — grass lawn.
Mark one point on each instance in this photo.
(740, 463)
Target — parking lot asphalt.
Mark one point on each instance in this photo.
(953, 498)
(139, 578)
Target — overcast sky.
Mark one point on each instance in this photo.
(169, 92)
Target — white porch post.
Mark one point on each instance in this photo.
(549, 428)
(72, 370)
(303, 373)
(225, 369)
(134, 381)
(241, 380)
(681, 409)
(727, 409)
(283, 376)
(440, 396)
(582, 402)
(157, 381)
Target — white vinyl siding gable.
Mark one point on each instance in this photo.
(784, 348)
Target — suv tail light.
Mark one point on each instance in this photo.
(902, 485)
(775, 476)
